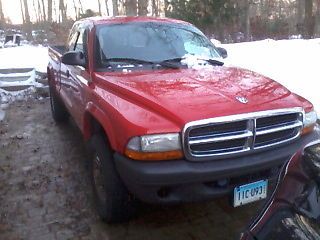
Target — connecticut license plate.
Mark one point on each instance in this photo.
(250, 193)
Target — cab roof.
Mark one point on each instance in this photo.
(126, 19)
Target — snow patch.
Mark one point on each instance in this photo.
(21, 69)
(26, 56)
(293, 63)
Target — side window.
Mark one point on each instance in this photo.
(72, 41)
(80, 42)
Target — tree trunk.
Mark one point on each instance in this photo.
(154, 8)
(44, 11)
(300, 10)
(40, 11)
(62, 11)
(308, 19)
(99, 6)
(115, 7)
(81, 7)
(131, 7)
(35, 11)
(75, 9)
(107, 7)
(22, 12)
(247, 32)
(317, 20)
(49, 10)
(142, 7)
(26, 11)
(1, 12)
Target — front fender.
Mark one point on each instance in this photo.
(93, 111)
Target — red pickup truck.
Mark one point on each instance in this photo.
(166, 120)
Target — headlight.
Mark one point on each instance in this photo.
(155, 147)
(309, 122)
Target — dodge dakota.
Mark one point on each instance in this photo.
(166, 120)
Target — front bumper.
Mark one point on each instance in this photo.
(170, 182)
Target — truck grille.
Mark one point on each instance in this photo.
(224, 136)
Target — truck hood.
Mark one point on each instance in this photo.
(186, 95)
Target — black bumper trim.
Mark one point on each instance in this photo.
(187, 180)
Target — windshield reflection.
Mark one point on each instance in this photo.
(154, 42)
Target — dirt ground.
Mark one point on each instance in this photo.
(45, 191)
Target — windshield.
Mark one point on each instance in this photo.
(154, 42)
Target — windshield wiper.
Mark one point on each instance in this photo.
(213, 62)
(141, 61)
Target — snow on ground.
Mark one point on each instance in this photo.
(20, 68)
(293, 63)
(25, 56)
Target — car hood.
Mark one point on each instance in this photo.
(186, 95)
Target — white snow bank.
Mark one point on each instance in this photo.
(18, 79)
(25, 56)
(18, 70)
(293, 63)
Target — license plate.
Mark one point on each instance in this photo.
(250, 193)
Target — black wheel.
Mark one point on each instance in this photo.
(58, 110)
(113, 201)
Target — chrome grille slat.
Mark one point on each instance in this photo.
(202, 140)
(205, 139)
(278, 129)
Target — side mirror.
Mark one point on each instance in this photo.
(223, 52)
(74, 58)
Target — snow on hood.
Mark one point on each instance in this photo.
(197, 62)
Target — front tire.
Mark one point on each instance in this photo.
(113, 201)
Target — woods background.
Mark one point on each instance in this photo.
(227, 21)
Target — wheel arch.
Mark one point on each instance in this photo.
(96, 121)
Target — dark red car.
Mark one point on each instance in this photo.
(293, 210)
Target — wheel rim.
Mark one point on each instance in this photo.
(99, 180)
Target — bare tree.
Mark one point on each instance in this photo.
(22, 12)
(308, 19)
(142, 7)
(107, 7)
(131, 7)
(99, 7)
(62, 11)
(44, 11)
(155, 8)
(247, 23)
(36, 13)
(26, 11)
(75, 9)
(115, 7)
(40, 12)
(49, 10)
(81, 7)
(1, 12)
(317, 20)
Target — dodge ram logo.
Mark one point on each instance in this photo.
(243, 100)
